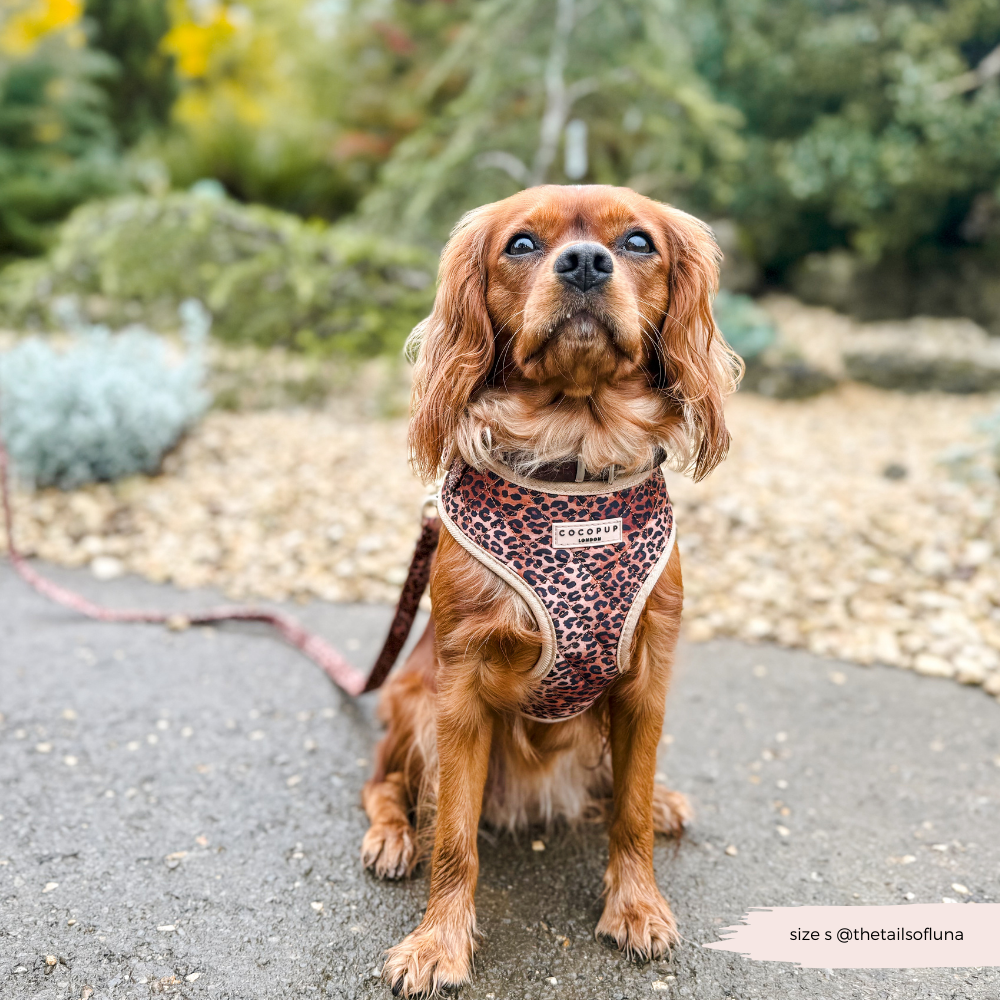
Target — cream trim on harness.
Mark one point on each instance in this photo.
(632, 618)
(546, 629)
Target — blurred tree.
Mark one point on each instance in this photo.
(297, 102)
(380, 55)
(241, 115)
(143, 90)
(868, 128)
(57, 144)
(607, 84)
(251, 78)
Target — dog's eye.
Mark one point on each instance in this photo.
(638, 243)
(520, 245)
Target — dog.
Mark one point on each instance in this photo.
(572, 332)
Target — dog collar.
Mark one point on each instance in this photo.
(573, 470)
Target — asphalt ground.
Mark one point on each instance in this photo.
(181, 817)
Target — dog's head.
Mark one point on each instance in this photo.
(569, 291)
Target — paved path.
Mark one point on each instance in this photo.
(181, 817)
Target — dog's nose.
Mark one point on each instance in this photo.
(584, 265)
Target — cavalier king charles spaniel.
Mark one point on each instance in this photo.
(572, 330)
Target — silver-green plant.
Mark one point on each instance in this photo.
(109, 405)
(747, 328)
(977, 460)
(990, 426)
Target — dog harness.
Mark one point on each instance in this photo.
(584, 556)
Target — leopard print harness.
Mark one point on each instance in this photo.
(584, 556)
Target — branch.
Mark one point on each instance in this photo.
(507, 162)
(580, 89)
(554, 116)
(964, 82)
(559, 100)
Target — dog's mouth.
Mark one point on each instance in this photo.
(585, 330)
(584, 327)
(589, 332)
(582, 348)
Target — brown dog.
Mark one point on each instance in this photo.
(572, 324)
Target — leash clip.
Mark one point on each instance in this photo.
(429, 506)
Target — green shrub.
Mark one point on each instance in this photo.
(267, 277)
(57, 144)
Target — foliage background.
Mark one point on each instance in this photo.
(852, 145)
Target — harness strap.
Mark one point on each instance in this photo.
(347, 677)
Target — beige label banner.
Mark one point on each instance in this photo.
(914, 936)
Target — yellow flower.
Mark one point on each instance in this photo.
(23, 30)
(193, 43)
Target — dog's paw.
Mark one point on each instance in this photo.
(388, 849)
(429, 960)
(671, 811)
(640, 923)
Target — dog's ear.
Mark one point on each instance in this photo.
(699, 369)
(453, 346)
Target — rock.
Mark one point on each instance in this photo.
(933, 666)
(773, 366)
(948, 355)
(785, 379)
(917, 354)
(958, 282)
(106, 567)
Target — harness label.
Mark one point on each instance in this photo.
(574, 534)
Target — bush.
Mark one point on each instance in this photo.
(870, 126)
(268, 278)
(108, 406)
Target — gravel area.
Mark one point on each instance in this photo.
(833, 526)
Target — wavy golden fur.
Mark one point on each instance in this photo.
(530, 357)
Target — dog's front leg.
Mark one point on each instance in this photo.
(636, 916)
(439, 952)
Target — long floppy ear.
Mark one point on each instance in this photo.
(455, 345)
(700, 369)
